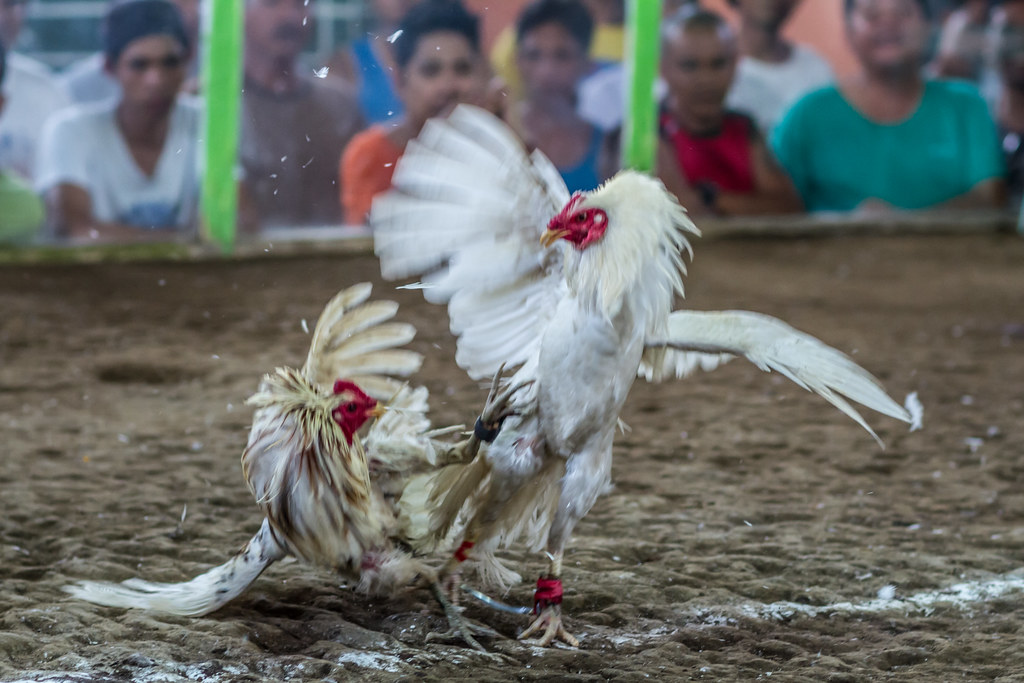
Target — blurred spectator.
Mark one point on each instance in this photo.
(21, 212)
(772, 73)
(714, 160)
(125, 169)
(294, 127)
(552, 37)
(439, 66)
(87, 80)
(1010, 106)
(602, 94)
(369, 63)
(964, 47)
(32, 94)
(605, 49)
(963, 39)
(886, 138)
(608, 41)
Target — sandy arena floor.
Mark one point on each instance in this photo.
(754, 531)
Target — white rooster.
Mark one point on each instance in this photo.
(477, 215)
(331, 499)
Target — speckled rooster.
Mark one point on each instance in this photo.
(481, 219)
(354, 506)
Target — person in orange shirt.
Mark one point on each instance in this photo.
(439, 66)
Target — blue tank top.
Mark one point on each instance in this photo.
(584, 176)
(377, 97)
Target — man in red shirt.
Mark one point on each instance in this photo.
(714, 160)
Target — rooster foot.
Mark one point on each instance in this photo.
(550, 619)
(460, 628)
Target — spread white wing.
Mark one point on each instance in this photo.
(466, 211)
(705, 339)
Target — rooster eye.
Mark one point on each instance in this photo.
(351, 407)
(580, 217)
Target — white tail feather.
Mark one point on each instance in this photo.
(206, 593)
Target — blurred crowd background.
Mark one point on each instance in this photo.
(765, 106)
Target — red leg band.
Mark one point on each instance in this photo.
(460, 554)
(549, 592)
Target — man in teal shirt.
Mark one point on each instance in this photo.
(21, 211)
(885, 138)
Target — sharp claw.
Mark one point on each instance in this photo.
(498, 403)
(459, 626)
(568, 637)
(530, 629)
(550, 619)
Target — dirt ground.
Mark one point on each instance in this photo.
(754, 532)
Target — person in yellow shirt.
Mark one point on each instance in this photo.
(606, 45)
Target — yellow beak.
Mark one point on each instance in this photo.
(551, 236)
(378, 410)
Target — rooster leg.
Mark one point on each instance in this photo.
(547, 605)
(496, 409)
(459, 626)
(585, 477)
(450, 576)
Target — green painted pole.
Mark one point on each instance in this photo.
(643, 31)
(221, 87)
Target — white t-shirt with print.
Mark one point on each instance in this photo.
(83, 146)
(32, 94)
(765, 90)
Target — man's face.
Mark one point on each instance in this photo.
(442, 73)
(551, 62)
(887, 35)
(12, 16)
(151, 71)
(278, 28)
(698, 66)
(769, 14)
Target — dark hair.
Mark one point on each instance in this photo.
(925, 5)
(432, 16)
(571, 15)
(128, 21)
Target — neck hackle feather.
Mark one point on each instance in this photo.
(641, 254)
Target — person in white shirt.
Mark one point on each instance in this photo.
(601, 96)
(772, 73)
(87, 79)
(32, 91)
(126, 169)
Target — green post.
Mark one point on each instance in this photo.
(643, 31)
(221, 86)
